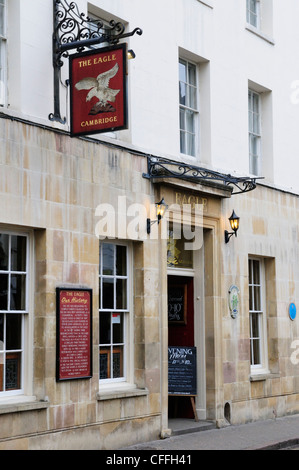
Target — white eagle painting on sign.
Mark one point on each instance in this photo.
(99, 88)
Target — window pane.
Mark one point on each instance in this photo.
(121, 294)
(250, 121)
(253, 19)
(108, 293)
(256, 272)
(117, 362)
(254, 145)
(255, 103)
(182, 142)
(192, 74)
(177, 256)
(192, 97)
(3, 291)
(2, 31)
(13, 332)
(105, 363)
(257, 299)
(250, 298)
(250, 271)
(18, 292)
(105, 328)
(182, 119)
(121, 261)
(253, 165)
(18, 253)
(183, 71)
(1, 372)
(182, 87)
(190, 121)
(1, 332)
(255, 326)
(255, 355)
(256, 124)
(1, 73)
(3, 252)
(117, 325)
(190, 144)
(108, 259)
(12, 371)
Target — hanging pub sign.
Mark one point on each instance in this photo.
(98, 80)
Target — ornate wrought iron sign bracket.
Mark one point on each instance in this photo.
(75, 30)
(161, 168)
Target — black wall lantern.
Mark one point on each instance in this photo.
(234, 221)
(161, 208)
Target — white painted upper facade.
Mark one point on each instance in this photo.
(230, 55)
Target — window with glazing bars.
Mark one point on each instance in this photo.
(254, 124)
(113, 284)
(13, 307)
(253, 13)
(188, 107)
(256, 313)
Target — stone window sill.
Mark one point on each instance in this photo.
(121, 393)
(21, 404)
(207, 3)
(260, 34)
(263, 377)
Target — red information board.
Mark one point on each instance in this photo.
(98, 80)
(74, 334)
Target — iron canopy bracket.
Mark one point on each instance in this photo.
(161, 168)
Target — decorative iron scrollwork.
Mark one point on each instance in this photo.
(163, 168)
(75, 30)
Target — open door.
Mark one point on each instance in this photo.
(180, 332)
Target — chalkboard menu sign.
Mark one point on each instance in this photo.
(182, 371)
(177, 303)
(74, 334)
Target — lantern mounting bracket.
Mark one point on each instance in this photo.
(75, 30)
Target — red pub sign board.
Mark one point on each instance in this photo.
(99, 90)
(74, 334)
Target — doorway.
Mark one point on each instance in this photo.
(180, 333)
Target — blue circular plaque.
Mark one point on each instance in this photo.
(292, 311)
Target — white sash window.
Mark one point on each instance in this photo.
(14, 252)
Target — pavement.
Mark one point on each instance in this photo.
(274, 434)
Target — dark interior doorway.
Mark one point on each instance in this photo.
(181, 333)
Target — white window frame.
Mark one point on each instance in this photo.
(257, 313)
(25, 368)
(255, 133)
(188, 108)
(253, 16)
(3, 56)
(127, 312)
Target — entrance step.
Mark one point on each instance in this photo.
(187, 426)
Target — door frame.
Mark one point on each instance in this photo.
(197, 273)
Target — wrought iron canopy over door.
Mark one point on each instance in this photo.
(162, 168)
